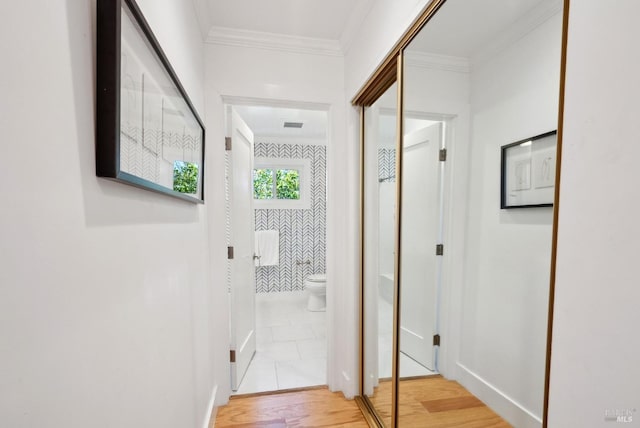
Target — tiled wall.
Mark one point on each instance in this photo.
(387, 164)
(302, 231)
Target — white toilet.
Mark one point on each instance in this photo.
(317, 286)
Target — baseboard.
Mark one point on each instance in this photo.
(512, 411)
(210, 416)
(347, 388)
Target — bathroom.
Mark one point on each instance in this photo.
(289, 215)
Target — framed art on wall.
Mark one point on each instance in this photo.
(528, 172)
(148, 135)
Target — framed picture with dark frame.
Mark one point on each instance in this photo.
(528, 172)
(148, 133)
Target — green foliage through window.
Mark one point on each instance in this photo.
(285, 184)
(288, 184)
(262, 184)
(185, 177)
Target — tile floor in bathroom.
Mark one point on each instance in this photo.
(291, 347)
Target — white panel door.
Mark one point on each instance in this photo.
(242, 289)
(421, 210)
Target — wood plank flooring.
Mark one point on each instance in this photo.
(432, 402)
(435, 402)
(316, 407)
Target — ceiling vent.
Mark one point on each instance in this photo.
(293, 125)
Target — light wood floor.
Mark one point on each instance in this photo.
(425, 402)
(316, 407)
(435, 402)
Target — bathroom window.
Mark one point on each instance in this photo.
(276, 183)
(281, 183)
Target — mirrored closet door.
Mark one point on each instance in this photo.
(421, 245)
(379, 217)
(472, 96)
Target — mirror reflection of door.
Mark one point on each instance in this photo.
(421, 210)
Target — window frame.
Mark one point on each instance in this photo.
(303, 166)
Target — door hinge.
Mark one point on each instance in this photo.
(443, 155)
(230, 253)
(232, 356)
(439, 249)
(227, 143)
(436, 340)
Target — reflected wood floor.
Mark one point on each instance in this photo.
(435, 402)
(311, 407)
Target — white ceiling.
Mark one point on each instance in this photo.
(269, 121)
(321, 19)
(462, 28)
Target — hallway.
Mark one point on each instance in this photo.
(441, 402)
(114, 299)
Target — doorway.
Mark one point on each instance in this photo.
(287, 186)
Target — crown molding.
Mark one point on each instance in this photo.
(437, 62)
(519, 29)
(278, 42)
(417, 114)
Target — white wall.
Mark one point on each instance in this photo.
(269, 76)
(514, 95)
(106, 314)
(594, 364)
